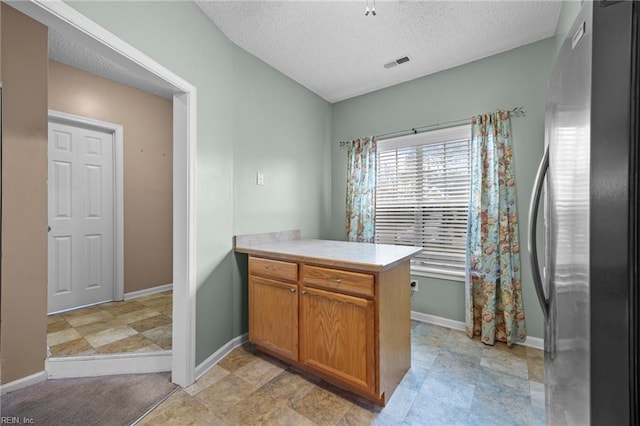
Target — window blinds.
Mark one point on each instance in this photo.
(422, 197)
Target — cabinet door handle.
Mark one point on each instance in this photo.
(292, 290)
(303, 292)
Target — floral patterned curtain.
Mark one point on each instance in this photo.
(361, 189)
(494, 308)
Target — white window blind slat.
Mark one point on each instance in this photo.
(422, 197)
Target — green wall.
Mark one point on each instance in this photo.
(284, 131)
(514, 78)
(250, 117)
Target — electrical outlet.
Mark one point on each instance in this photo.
(259, 178)
(414, 285)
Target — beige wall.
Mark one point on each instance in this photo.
(24, 195)
(147, 123)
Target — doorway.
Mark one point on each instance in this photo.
(66, 20)
(85, 203)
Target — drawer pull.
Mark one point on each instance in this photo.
(334, 280)
(292, 290)
(269, 268)
(303, 292)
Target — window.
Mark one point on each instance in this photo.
(422, 198)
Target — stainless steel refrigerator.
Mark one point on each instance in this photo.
(587, 275)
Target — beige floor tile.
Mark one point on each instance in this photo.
(73, 348)
(134, 343)
(535, 366)
(157, 304)
(210, 377)
(165, 295)
(225, 394)
(57, 324)
(134, 316)
(506, 364)
(166, 343)
(119, 308)
(253, 410)
(181, 409)
(63, 336)
(159, 334)
(110, 335)
(149, 323)
(100, 316)
(97, 327)
(322, 406)
(259, 371)
(289, 387)
(239, 357)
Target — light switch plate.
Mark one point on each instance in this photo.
(259, 178)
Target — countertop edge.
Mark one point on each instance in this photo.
(370, 267)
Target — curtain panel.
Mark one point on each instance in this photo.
(493, 308)
(361, 189)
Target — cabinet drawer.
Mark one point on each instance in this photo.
(273, 268)
(336, 279)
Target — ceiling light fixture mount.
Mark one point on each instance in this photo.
(372, 10)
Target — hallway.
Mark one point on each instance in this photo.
(142, 324)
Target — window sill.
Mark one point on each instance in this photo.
(442, 275)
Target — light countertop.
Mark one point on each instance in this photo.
(363, 256)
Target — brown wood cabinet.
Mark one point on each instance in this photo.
(349, 326)
(273, 306)
(336, 337)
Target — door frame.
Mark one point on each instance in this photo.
(116, 131)
(66, 20)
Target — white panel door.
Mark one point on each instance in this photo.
(81, 217)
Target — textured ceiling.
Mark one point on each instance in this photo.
(336, 51)
(71, 50)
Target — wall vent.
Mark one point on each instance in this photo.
(398, 61)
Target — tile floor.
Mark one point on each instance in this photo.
(453, 381)
(136, 325)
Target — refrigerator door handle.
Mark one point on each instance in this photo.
(531, 240)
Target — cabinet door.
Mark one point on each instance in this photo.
(337, 337)
(273, 316)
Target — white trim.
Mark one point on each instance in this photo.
(23, 382)
(532, 342)
(148, 291)
(435, 320)
(215, 358)
(65, 19)
(108, 365)
(117, 133)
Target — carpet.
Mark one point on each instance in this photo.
(108, 400)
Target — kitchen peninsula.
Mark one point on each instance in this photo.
(340, 310)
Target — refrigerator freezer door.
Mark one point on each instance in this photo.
(567, 228)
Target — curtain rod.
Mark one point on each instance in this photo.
(515, 112)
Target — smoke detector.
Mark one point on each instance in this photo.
(396, 62)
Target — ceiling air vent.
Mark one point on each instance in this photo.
(398, 61)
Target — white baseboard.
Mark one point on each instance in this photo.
(213, 359)
(532, 342)
(443, 322)
(148, 291)
(23, 382)
(108, 364)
